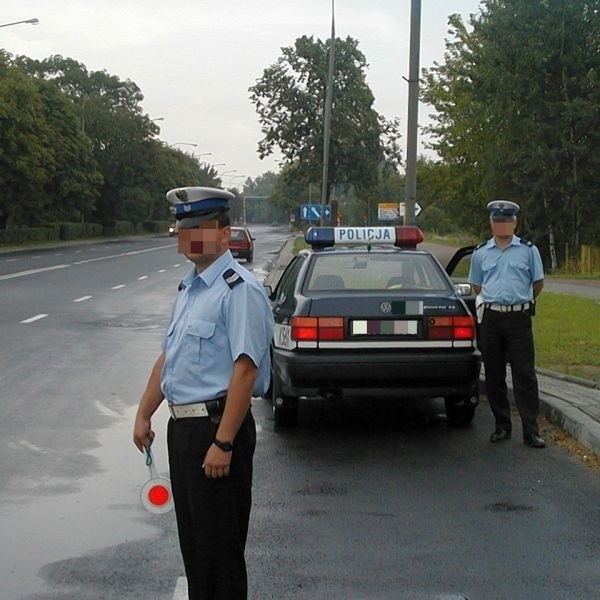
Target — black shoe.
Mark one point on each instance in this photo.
(500, 435)
(534, 440)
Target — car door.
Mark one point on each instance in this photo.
(458, 270)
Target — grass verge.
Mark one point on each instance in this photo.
(567, 330)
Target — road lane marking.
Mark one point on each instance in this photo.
(79, 262)
(143, 277)
(162, 270)
(118, 287)
(32, 271)
(82, 299)
(131, 253)
(181, 589)
(11, 259)
(177, 265)
(32, 319)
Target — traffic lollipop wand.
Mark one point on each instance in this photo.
(156, 494)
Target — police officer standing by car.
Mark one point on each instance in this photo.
(215, 357)
(508, 273)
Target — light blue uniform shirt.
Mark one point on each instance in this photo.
(211, 326)
(506, 276)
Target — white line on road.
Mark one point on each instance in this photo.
(181, 589)
(11, 259)
(32, 319)
(143, 277)
(37, 256)
(177, 265)
(162, 270)
(82, 299)
(32, 271)
(118, 287)
(79, 262)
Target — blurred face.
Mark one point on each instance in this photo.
(503, 227)
(203, 244)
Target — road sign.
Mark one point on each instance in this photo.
(312, 212)
(388, 211)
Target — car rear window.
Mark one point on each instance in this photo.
(375, 271)
(237, 235)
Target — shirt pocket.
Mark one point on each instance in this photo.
(199, 340)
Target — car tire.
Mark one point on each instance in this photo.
(250, 258)
(459, 411)
(285, 408)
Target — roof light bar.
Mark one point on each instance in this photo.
(402, 237)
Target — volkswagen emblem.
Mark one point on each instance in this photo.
(385, 307)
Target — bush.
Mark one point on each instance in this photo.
(156, 226)
(79, 231)
(119, 228)
(29, 234)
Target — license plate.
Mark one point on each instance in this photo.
(378, 327)
(235, 253)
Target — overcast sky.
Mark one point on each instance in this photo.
(195, 60)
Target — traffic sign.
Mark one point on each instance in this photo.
(156, 494)
(390, 211)
(312, 212)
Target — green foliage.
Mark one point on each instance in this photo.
(119, 228)
(79, 231)
(156, 226)
(29, 234)
(289, 99)
(517, 101)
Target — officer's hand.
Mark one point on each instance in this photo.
(216, 463)
(143, 436)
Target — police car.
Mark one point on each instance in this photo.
(365, 312)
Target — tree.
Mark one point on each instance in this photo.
(47, 171)
(517, 115)
(289, 99)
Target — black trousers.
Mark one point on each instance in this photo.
(212, 514)
(509, 335)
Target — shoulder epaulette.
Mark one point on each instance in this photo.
(526, 242)
(180, 286)
(232, 278)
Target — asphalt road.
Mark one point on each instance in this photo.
(360, 501)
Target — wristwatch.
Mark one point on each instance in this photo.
(225, 446)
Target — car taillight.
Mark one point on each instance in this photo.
(313, 329)
(451, 328)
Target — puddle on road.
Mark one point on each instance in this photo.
(105, 511)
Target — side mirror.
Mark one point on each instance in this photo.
(463, 289)
(269, 291)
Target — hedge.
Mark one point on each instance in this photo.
(79, 231)
(119, 228)
(30, 234)
(157, 226)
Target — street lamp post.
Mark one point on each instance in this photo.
(33, 21)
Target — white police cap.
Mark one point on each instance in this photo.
(196, 204)
(503, 209)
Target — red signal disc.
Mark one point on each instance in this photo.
(158, 495)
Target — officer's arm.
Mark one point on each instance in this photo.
(537, 287)
(239, 396)
(149, 402)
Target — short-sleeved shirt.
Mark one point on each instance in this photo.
(211, 326)
(506, 275)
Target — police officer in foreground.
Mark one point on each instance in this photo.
(215, 357)
(508, 273)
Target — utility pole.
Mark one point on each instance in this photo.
(412, 123)
(327, 117)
